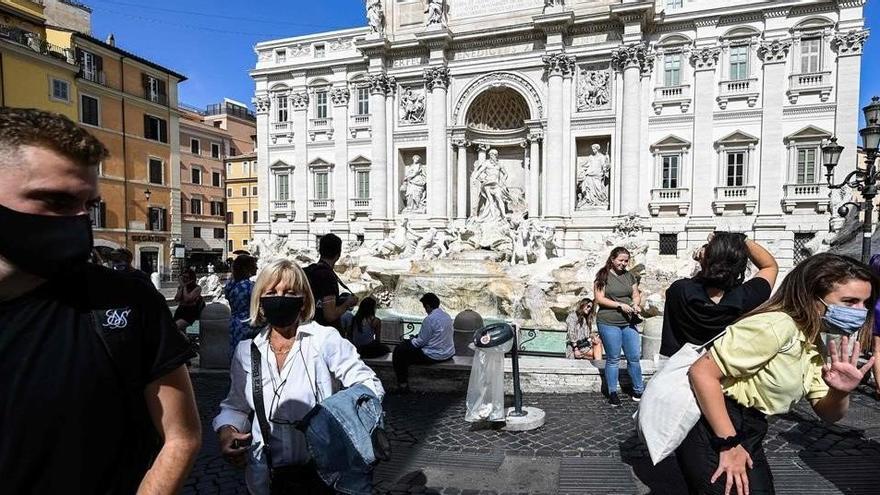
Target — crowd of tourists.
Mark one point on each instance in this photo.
(97, 397)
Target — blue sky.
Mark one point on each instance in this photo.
(211, 41)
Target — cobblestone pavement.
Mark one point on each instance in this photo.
(585, 447)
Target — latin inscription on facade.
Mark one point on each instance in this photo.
(470, 8)
(492, 51)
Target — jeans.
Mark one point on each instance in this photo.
(405, 355)
(613, 338)
(698, 460)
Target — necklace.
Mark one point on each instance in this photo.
(280, 351)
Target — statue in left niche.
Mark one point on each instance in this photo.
(375, 16)
(434, 13)
(415, 181)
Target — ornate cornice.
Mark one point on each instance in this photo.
(705, 58)
(629, 56)
(849, 43)
(776, 13)
(437, 77)
(300, 101)
(559, 64)
(261, 104)
(340, 96)
(775, 51)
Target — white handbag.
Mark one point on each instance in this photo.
(669, 409)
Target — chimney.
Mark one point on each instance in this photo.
(111, 40)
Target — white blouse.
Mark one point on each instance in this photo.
(318, 358)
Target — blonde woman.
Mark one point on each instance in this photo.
(298, 362)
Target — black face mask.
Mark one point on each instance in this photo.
(281, 311)
(44, 245)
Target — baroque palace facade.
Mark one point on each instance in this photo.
(690, 114)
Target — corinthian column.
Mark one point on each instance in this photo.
(340, 98)
(379, 156)
(558, 65)
(534, 189)
(849, 46)
(773, 163)
(629, 59)
(437, 80)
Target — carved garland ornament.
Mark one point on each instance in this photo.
(340, 96)
(499, 79)
(774, 51)
(300, 101)
(262, 104)
(705, 58)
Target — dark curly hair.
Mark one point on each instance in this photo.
(31, 127)
(724, 261)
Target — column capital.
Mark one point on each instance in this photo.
(437, 77)
(629, 56)
(849, 43)
(460, 143)
(559, 64)
(340, 96)
(774, 52)
(261, 104)
(300, 100)
(381, 84)
(705, 58)
(536, 136)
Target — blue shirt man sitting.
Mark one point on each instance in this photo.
(433, 344)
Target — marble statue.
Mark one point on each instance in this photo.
(551, 4)
(412, 107)
(434, 13)
(431, 246)
(494, 196)
(592, 179)
(415, 182)
(375, 16)
(593, 89)
(402, 241)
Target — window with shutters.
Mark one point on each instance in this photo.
(195, 206)
(807, 166)
(155, 89)
(362, 184)
(672, 70)
(196, 175)
(282, 187)
(195, 146)
(811, 60)
(363, 101)
(320, 104)
(156, 171)
(244, 217)
(155, 129)
(254, 191)
(281, 108)
(158, 219)
(215, 150)
(197, 232)
(91, 66)
(254, 216)
(322, 185)
(230, 218)
(739, 62)
(89, 110)
(98, 215)
(215, 179)
(219, 233)
(244, 191)
(60, 90)
(217, 208)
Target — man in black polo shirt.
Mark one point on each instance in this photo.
(325, 285)
(94, 394)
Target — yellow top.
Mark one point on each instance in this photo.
(768, 364)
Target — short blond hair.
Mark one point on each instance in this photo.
(282, 270)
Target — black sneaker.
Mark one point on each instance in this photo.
(614, 400)
(636, 396)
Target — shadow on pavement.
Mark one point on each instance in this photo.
(663, 479)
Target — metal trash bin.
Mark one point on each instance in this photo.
(485, 396)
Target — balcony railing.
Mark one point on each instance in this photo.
(323, 207)
(95, 76)
(360, 119)
(159, 98)
(322, 204)
(670, 197)
(33, 41)
(281, 126)
(806, 194)
(282, 205)
(744, 197)
(738, 89)
(320, 123)
(672, 95)
(360, 204)
(811, 82)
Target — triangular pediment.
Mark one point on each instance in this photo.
(809, 133)
(671, 141)
(360, 160)
(320, 163)
(737, 138)
(279, 164)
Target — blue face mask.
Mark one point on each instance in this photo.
(844, 320)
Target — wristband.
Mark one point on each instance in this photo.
(721, 444)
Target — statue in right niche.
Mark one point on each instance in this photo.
(592, 179)
(413, 189)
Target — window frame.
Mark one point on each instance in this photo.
(216, 179)
(150, 161)
(744, 71)
(669, 181)
(667, 58)
(815, 174)
(195, 146)
(811, 56)
(159, 135)
(244, 217)
(286, 189)
(744, 166)
(359, 192)
(363, 104)
(98, 215)
(53, 96)
(196, 172)
(215, 146)
(192, 206)
(221, 231)
(322, 106)
(97, 109)
(282, 109)
(197, 232)
(161, 219)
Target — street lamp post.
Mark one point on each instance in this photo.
(865, 181)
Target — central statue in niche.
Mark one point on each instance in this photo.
(494, 194)
(592, 179)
